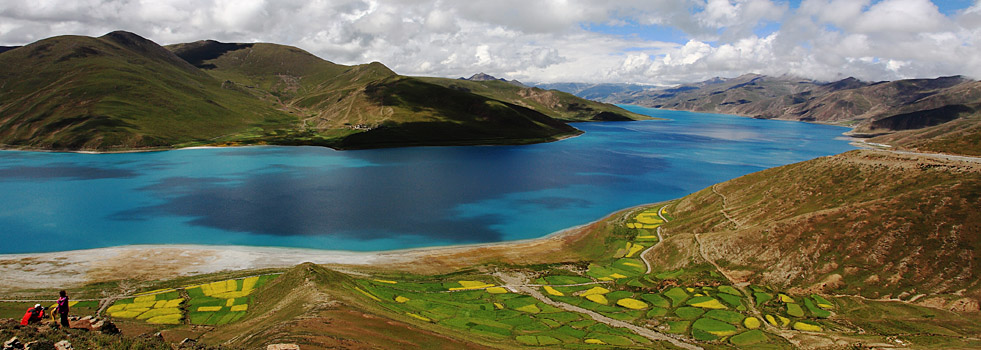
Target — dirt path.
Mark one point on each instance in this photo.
(741, 286)
(705, 257)
(517, 281)
(939, 156)
(643, 255)
(725, 203)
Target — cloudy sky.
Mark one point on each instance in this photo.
(640, 41)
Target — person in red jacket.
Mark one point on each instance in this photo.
(33, 315)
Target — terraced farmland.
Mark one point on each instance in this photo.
(708, 313)
(485, 309)
(616, 287)
(212, 303)
(223, 301)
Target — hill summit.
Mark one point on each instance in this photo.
(487, 77)
(123, 92)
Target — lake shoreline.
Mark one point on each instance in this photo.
(513, 142)
(147, 262)
(533, 201)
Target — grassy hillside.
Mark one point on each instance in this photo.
(119, 91)
(865, 223)
(371, 106)
(554, 103)
(123, 92)
(960, 136)
(319, 308)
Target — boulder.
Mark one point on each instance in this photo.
(187, 343)
(105, 327)
(64, 345)
(13, 344)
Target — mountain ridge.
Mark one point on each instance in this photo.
(123, 92)
(883, 112)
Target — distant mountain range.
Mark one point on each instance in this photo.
(927, 114)
(123, 92)
(597, 92)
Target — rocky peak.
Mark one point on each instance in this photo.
(482, 77)
(487, 77)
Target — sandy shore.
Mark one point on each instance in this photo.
(154, 262)
(71, 269)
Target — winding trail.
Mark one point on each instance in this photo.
(741, 286)
(643, 255)
(725, 203)
(518, 283)
(939, 156)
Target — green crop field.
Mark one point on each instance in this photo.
(523, 319)
(214, 303)
(726, 316)
(476, 304)
(748, 338)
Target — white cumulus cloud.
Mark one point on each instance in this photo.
(551, 40)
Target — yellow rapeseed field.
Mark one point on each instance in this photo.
(631, 303)
(166, 319)
(471, 285)
(801, 326)
(530, 308)
(710, 304)
(598, 298)
(594, 291)
(634, 248)
(553, 291)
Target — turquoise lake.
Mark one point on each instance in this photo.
(313, 197)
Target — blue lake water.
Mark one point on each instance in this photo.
(384, 199)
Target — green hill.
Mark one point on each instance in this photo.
(554, 103)
(118, 91)
(371, 104)
(322, 308)
(123, 92)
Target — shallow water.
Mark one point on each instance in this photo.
(384, 199)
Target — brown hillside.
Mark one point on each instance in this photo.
(865, 222)
(873, 109)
